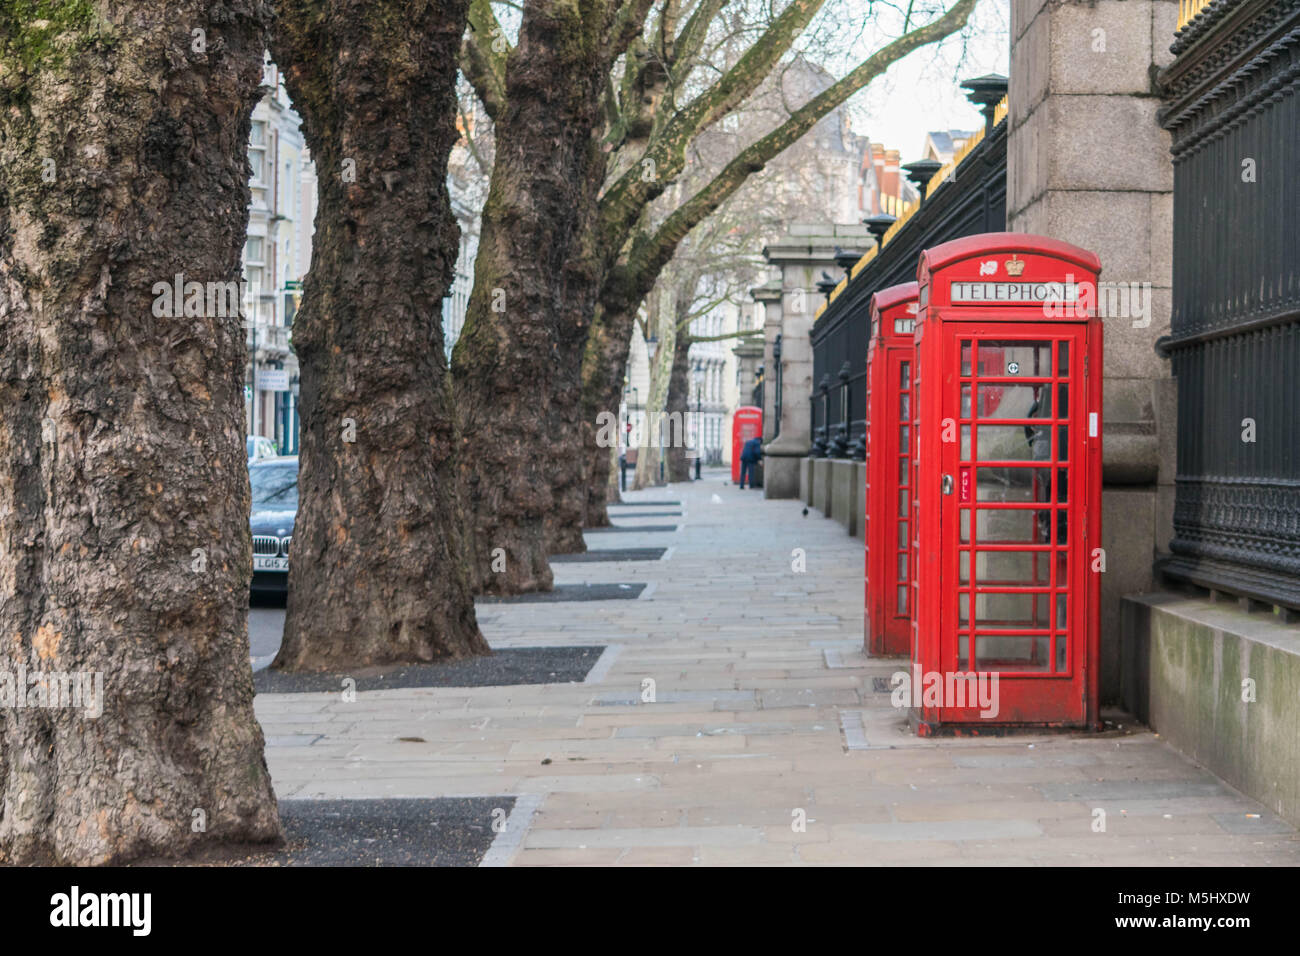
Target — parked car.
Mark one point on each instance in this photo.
(259, 448)
(274, 483)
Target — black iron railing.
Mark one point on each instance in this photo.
(1232, 105)
(970, 199)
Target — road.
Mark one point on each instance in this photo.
(265, 627)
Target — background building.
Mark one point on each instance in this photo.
(467, 183)
(944, 144)
(832, 175)
(277, 255)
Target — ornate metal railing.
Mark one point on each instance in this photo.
(1232, 105)
(1187, 9)
(966, 197)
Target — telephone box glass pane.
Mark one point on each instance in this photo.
(1063, 358)
(902, 534)
(1012, 484)
(1007, 526)
(1010, 652)
(1015, 401)
(905, 370)
(1013, 611)
(1012, 443)
(1062, 525)
(999, 359)
(1008, 568)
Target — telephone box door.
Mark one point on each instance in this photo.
(889, 504)
(1012, 516)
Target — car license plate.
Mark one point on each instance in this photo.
(270, 564)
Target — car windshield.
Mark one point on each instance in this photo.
(275, 486)
(251, 443)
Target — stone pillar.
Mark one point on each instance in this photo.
(769, 296)
(801, 255)
(1088, 163)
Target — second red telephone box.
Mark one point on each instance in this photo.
(746, 423)
(1007, 477)
(888, 512)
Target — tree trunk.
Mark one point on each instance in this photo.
(679, 393)
(125, 551)
(517, 364)
(380, 570)
(603, 367)
(660, 433)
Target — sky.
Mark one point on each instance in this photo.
(922, 92)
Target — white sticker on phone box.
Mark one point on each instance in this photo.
(1092, 424)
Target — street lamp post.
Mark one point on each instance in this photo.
(699, 417)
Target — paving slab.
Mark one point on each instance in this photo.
(763, 717)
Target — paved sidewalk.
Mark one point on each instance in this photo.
(765, 713)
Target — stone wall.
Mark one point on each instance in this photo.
(1222, 686)
(1088, 163)
(801, 255)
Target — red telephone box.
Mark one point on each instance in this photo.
(746, 423)
(886, 629)
(1007, 479)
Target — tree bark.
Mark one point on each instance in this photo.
(380, 571)
(517, 364)
(678, 403)
(660, 433)
(602, 388)
(125, 551)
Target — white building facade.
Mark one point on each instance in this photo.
(277, 255)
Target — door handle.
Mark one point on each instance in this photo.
(947, 484)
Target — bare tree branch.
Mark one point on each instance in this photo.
(653, 252)
(666, 153)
